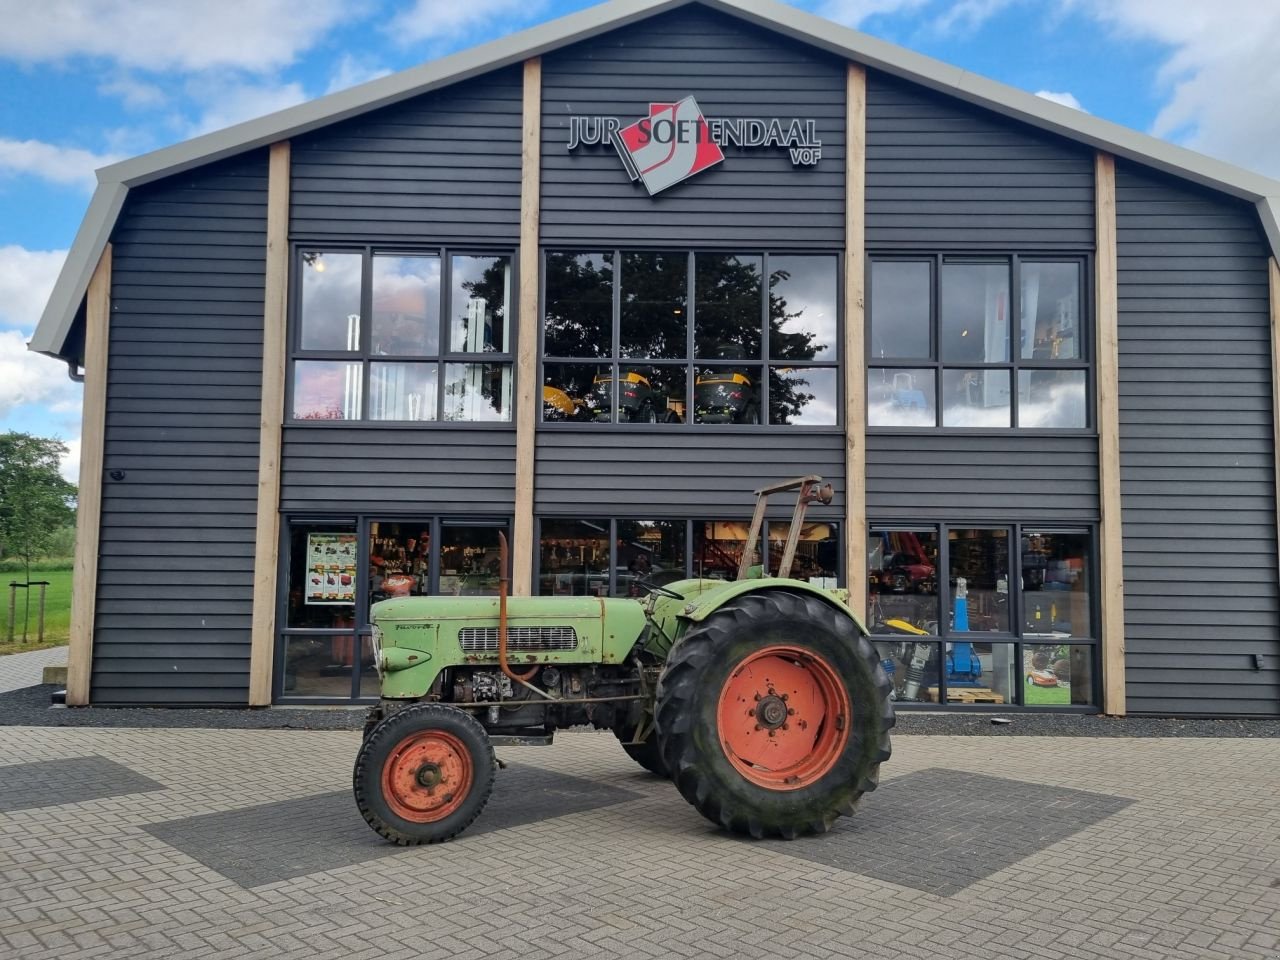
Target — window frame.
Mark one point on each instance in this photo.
(1015, 365)
(440, 359)
(691, 363)
(690, 524)
(1016, 530)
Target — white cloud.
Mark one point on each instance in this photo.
(134, 93)
(351, 72)
(229, 102)
(70, 468)
(29, 379)
(444, 21)
(70, 166)
(1220, 75)
(26, 280)
(251, 35)
(1066, 98)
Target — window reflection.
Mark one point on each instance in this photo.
(975, 398)
(729, 308)
(1050, 327)
(727, 394)
(803, 396)
(900, 298)
(406, 306)
(327, 389)
(1052, 398)
(478, 304)
(802, 308)
(330, 301)
(574, 558)
(1055, 585)
(979, 580)
(578, 319)
(649, 551)
(651, 394)
(902, 570)
(717, 548)
(655, 308)
(974, 319)
(470, 563)
(477, 392)
(402, 391)
(817, 558)
(899, 397)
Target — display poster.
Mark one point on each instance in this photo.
(331, 569)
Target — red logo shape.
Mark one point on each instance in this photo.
(670, 145)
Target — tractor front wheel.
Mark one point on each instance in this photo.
(773, 715)
(423, 774)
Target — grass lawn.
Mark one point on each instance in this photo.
(57, 610)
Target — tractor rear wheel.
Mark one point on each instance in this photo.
(647, 754)
(773, 715)
(423, 774)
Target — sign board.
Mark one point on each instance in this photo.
(331, 569)
(675, 141)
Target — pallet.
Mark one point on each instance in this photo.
(973, 695)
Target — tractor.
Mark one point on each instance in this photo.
(761, 698)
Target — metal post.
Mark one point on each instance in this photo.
(43, 585)
(13, 606)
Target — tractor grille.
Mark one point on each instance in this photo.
(485, 639)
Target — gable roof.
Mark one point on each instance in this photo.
(114, 181)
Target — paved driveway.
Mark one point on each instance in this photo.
(236, 843)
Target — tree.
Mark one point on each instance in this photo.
(35, 502)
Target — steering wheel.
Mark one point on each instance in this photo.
(657, 588)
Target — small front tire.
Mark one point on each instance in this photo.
(423, 774)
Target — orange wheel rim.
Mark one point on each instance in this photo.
(783, 717)
(427, 777)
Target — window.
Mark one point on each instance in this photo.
(977, 342)
(436, 345)
(618, 557)
(981, 634)
(679, 338)
(336, 569)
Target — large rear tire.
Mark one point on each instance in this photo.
(647, 754)
(423, 774)
(773, 715)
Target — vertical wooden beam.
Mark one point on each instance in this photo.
(84, 585)
(266, 550)
(855, 362)
(527, 399)
(1108, 373)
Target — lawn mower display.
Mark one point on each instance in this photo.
(761, 698)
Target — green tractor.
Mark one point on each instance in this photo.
(761, 697)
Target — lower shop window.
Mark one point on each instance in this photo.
(337, 569)
(574, 558)
(980, 636)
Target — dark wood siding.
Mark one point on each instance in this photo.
(440, 168)
(958, 477)
(367, 469)
(1196, 450)
(942, 175)
(679, 474)
(175, 580)
(755, 197)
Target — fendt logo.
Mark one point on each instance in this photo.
(675, 141)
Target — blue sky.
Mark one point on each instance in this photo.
(86, 82)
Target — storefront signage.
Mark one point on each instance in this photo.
(331, 569)
(675, 141)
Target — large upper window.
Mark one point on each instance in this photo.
(402, 336)
(683, 338)
(979, 342)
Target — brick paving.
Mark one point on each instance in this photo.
(1036, 847)
(18, 670)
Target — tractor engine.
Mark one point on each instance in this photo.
(569, 696)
